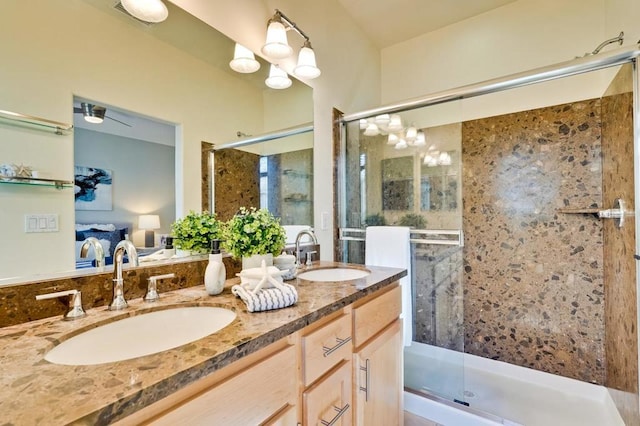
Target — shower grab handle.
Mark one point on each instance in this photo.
(367, 372)
(341, 342)
(340, 411)
(618, 212)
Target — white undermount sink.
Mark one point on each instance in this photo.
(141, 335)
(334, 274)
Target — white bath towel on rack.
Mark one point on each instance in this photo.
(389, 246)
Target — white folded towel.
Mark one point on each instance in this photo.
(390, 246)
(266, 299)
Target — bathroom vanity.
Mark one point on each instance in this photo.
(336, 354)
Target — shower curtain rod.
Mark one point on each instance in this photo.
(282, 133)
(537, 75)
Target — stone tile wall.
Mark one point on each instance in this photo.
(533, 276)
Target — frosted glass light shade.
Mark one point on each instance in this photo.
(402, 144)
(363, 123)
(420, 139)
(412, 134)
(371, 130)
(306, 67)
(146, 10)
(395, 123)
(149, 221)
(393, 139)
(382, 119)
(278, 78)
(276, 45)
(244, 61)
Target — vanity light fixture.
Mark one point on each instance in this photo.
(277, 46)
(278, 78)
(244, 61)
(146, 10)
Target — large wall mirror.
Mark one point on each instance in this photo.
(273, 171)
(167, 88)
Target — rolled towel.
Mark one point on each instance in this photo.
(267, 299)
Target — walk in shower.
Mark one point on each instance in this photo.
(524, 298)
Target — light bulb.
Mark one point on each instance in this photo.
(244, 61)
(276, 45)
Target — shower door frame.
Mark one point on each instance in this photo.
(576, 66)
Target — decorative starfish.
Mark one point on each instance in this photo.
(22, 170)
(265, 276)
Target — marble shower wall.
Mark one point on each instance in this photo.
(533, 275)
(236, 181)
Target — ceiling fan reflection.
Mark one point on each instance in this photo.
(95, 113)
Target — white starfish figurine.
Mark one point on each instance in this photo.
(22, 170)
(264, 275)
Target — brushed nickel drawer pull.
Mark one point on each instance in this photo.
(367, 371)
(341, 342)
(340, 411)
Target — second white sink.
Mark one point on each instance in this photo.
(141, 335)
(334, 274)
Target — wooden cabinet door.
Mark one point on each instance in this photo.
(248, 398)
(328, 402)
(378, 379)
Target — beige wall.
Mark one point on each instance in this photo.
(517, 37)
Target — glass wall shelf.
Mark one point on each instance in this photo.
(37, 123)
(15, 180)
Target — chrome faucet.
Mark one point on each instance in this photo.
(308, 232)
(97, 249)
(125, 246)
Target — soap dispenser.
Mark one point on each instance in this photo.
(215, 274)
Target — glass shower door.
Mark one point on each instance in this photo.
(405, 170)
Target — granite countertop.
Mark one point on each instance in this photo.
(34, 391)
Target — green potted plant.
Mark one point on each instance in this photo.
(375, 220)
(195, 231)
(413, 220)
(252, 233)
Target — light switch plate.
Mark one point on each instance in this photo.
(40, 223)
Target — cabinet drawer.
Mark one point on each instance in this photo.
(250, 397)
(329, 401)
(373, 316)
(326, 347)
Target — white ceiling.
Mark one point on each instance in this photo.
(388, 22)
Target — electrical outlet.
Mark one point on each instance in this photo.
(40, 223)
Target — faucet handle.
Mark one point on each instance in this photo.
(309, 255)
(75, 303)
(152, 288)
